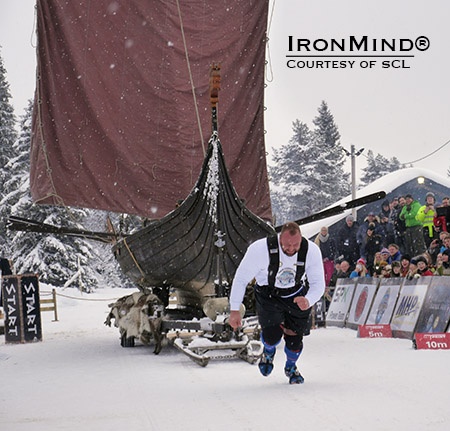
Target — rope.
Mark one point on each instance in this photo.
(134, 259)
(82, 299)
(269, 69)
(191, 78)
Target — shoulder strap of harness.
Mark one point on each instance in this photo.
(274, 260)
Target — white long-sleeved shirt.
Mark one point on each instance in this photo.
(255, 264)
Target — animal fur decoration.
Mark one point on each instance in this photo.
(138, 315)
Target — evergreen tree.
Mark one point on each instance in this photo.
(308, 172)
(8, 135)
(378, 166)
(329, 170)
(57, 259)
(293, 176)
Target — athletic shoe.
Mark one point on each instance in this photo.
(266, 363)
(294, 375)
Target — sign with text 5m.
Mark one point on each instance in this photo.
(374, 331)
(432, 341)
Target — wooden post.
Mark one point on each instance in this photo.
(53, 307)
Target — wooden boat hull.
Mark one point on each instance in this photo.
(184, 249)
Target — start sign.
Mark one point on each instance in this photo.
(20, 294)
(432, 341)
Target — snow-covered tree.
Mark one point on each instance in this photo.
(8, 135)
(57, 260)
(291, 174)
(308, 173)
(378, 166)
(334, 181)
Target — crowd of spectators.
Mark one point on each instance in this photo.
(405, 239)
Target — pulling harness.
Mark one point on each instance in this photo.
(274, 265)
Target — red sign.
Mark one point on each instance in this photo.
(374, 331)
(432, 341)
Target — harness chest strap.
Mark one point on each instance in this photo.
(274, 262)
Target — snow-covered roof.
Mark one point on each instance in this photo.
(387, 183)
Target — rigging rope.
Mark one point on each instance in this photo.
(191, 77)
(430, 154)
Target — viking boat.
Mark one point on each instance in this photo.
(125, 95)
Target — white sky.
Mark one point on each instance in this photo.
(396, 112)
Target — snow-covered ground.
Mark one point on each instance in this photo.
(80, 378)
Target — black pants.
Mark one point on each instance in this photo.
(275, 311)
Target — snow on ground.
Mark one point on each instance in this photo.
(80, 378)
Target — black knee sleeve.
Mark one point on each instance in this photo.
(294, 342)
(272, 335)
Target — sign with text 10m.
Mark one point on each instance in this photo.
(20, 294)
(432, 341)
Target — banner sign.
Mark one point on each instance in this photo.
(435, 313)
(32, 327)
(340, 303)
(11, 305)
(432, 341)
(362, 301)
(374, 331)
(408, 307)
(384, 302)
(20, 295)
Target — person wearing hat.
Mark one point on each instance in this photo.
(360, 269)
(414, 242)
(386, 222)
(422, 266)
(426, 215)
(404, 263)
(412, 272)
(373, 243)
(346, 240)
(361, 237)
(442, 263)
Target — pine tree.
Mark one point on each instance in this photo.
(57, 259)
(329, 171)
(293, 176)
(8, 135)
(308, 172)
(378, 166)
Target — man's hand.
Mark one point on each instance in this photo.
(235, 320)
(302, 302)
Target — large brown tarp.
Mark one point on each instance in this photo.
(115, 124)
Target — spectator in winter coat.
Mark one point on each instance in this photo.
(405, 265)
(395, 269)
(346, 241)
(360, 269)
(394, 253)
(385, 254)
(437, 246)
(5, 269)
(399, 225)
(328, 248)
(412, 272)
(386, 223)
(414, 242)
(422, 266)
(426, 215)
(442, 263)
(374, 242)
(361, 237)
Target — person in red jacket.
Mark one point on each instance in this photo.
(422, 266)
